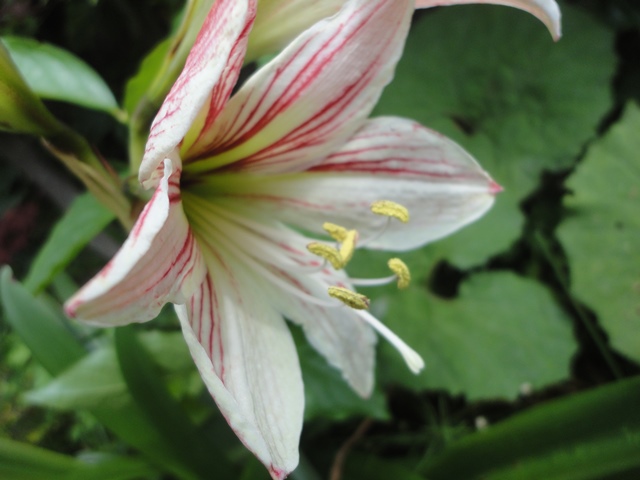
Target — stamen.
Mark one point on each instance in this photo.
(336, 232)
(411, 357)
(390, 209)
(352, 299)
(328, 253)
(373, 282)
(348, 246)
(400, 268)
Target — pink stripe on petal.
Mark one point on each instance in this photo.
(311, 98)
(210, 72)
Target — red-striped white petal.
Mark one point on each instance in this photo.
(312, 97)
(204, 86)
(389, 159)
(336, 332)
(248, 361)
(160, 262)
(297, 286)
(546, 11)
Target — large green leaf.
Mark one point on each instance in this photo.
(56, 74)
(82, 221)
(501, 333)
(601, 235)
(585, 436)
(517, 101)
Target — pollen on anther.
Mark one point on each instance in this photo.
(336, 232)
(390, 209)
(348, 246)
(329, 253)
(401, 270)
(352, 299)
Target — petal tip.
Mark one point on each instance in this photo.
(495, 188)
(277, 473)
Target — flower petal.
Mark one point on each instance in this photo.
(247, 359)
(312, 97)
(389, 159)
(209, 75)
(160, 262)
(545, 10)
(293, 278)
(337, 333)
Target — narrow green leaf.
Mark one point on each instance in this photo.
(593, 460)
(560, 430)
(20, 461)
(84, 220)
(92, 382)
(56, 74)
(39, 326)
(151, 395)
(139, 84)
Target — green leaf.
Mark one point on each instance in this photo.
(56, 348)
(139, 84)
(56, 74)
(82, 221)
(518, 102)
(39, 326)
(327, 394)
(94, 381)
(168, 349)
(20, 461)
(502, 333)
(151, 395)
(368, 467)
(602, 233)
(21, 111)
(584, 436)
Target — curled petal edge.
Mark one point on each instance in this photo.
(547, 11)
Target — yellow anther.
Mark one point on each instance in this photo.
(352, 299)
(390, 209)
(336, 232)
(348, 246)
(401, 270)
(327, 252)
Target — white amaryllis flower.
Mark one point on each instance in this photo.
(236, 182)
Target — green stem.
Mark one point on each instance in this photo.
(584, 318)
